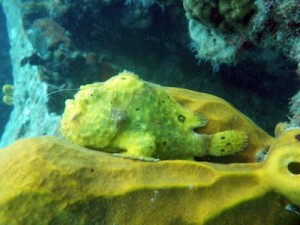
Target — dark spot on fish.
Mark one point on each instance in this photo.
(137, 109)
(181, 118)
(294, 168)
(222, 137)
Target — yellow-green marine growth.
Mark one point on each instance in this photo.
(136, 119)
(8, 92)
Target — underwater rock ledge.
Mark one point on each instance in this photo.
(47, 180)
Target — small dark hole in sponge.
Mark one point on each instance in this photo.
(297, 136)
(294, 167)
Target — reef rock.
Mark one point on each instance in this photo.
(47, 180)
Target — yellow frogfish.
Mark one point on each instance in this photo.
(132, 118)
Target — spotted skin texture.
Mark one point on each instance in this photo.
(132, 118)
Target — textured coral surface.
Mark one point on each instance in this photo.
(225, 15)
(50, 181)
(295, 110)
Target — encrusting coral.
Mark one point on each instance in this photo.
(224, 15)
(295, 110)
(219, 28)
(137, 119)
(223, 30)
